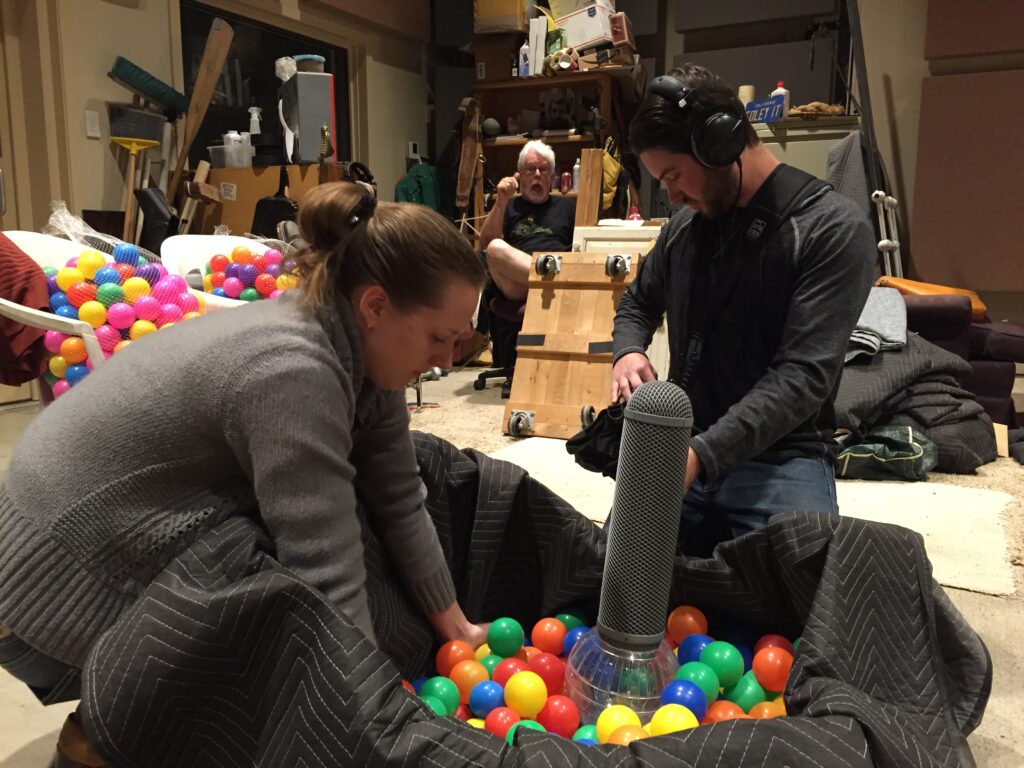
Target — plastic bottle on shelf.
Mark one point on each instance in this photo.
(515, 65)
(576, 176)
(781, 91)
(566, 182)
(524, 60)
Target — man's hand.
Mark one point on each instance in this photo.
(693, 469)
(629, 372)
(508, 187)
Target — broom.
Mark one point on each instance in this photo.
(135, 130)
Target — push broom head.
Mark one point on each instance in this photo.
(134, 128)
(144, 85)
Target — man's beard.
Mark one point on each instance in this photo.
(721, 192)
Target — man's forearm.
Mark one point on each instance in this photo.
(493, 224)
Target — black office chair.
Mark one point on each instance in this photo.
(505, 319)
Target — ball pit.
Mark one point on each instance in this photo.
(503, 686)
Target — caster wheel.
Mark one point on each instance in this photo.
(479, 385)
(587, 416)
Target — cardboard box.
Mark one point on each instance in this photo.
(613, 56)
(493, 16)
(561, 8)
(589, 27)
(622, 30)
(494, 54)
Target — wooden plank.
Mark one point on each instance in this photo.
(562, 343)
(588, 200)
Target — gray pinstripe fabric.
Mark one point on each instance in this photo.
(229, 660)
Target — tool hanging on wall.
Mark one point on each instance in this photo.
(889, 244)
(135, 130)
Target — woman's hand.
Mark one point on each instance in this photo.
(452, 624)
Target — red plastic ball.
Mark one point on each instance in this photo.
(684, 621)
(79, 293)
(409, 687)
(463, 712)
(500, 719)
(548, 634)
(261, 263)
(773, 641)
(551, 670)
(265, 284)
(560, 715)
(450, 654)
(219, 263)
(125, 270)
(506, 669)
(723, 710)
(217, 279)
(771, 667)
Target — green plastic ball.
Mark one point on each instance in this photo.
(50, 271)
(533, 725)
(725, 660)
(572, 620)
(585, 732)
(505, 637)
(109, 294)
(746, 693)
(436, 705)
(249, 294)
(490, 661)
(444, 690)
(702, 676)
(143, 261)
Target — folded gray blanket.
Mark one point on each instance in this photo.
(882, 324)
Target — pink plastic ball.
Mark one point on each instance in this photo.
(273, 256)
(233, 287)
(72, 262)
(52, 341)
(147, 308)
(108, 336)
(60, 387)
(162, 270)
(120, 315)
(169, 313)
(166, 290)
(178, 282)
(188, 302)
(275, 293)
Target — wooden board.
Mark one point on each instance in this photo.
(241, 188)
(564, 354)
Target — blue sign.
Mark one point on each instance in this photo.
(769, 110)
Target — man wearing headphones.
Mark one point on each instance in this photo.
(761, 278)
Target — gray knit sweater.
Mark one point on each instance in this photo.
(260, 411)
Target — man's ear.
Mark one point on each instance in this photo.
(373, 303)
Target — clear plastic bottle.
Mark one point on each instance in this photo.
(780, 90)
(524, 60)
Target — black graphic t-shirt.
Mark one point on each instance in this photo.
(545, 227)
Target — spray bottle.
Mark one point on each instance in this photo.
(781, 91)
(254, 120)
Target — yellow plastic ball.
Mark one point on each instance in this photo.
(671, 718)
(134, 287)
(58, 366)
(483, 650)
(526, 693)
(69, 276)
(207, 283)
(121, 345)
(190, 315)
(141, 328)
(90, 262)
(613, 718)
(93, 313)
(201, 300)
(476, 722)
(626, 734)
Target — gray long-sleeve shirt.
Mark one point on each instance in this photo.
(261, 411)
(771, 361)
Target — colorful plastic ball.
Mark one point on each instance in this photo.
(265, 284)
(67, 311)
(408, 686)
(687, 694)
(51, 285)
(58, 300)
(445, 690)
(60, 388)
(703, 676)
(79, 293)
(125, 271)
(218, 263)
(108, 337)
(614, 717)
(146, 308)
(500, 719)
(69, 276)
(766, 710)
(551, 670)
(75, 373)
(261, 264)
(274, 270)
(505, 636)
(481, 651)
(90, 262)
(50, 271)
(275, 294)
(134, 287)
(286, 282)
(691, 647)
(142, 261)
(148, 272)
(571, 638)
(109, 293)
(232, 287)
(273, 256)
(249, 294)
(161, 271)
(773, 641)
(476, 722)
(586, 733)
(529, 652)
(166, 290)
(463, 713)
(126, 253)
(486, 695)
(58, 366)
(248, 273)
(686, 620)
(72, 262)
(508, 667)
(548, 634)
(93, 312)
(169, 313)
(188, 302)
(533, 725)
(288, 265)
(560, 715)
(52, 341)
(141, 328)
(435, 704)
(107, 275)
(725, 660)
(231, 270)
(218, 292)
(771, 667)
(121, 345)
(671, 718)
(450, 654)
(72, 349)
(626, 734)
(526, 693)
(746, 692)
(121, 315)
(466, 674)
(722, 710)
(241, 254)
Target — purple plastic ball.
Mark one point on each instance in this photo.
(231, 270)
(51, 285)
(288, 265)
(148, 272)
(248, 273)
(273, 269)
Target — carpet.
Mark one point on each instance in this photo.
(963, 529)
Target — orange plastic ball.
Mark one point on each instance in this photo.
(771, 664)
(450, 654)
(241, 255)
(548, 634)
(684, 621)
(72, 349)
(766, 710)
(722, 710)
(466, 674)
(625, 734)
(528, 653)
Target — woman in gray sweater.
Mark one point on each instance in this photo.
(281, 410)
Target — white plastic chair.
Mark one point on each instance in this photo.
(181, 254)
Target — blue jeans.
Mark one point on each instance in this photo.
(52, 681)
(747, 496)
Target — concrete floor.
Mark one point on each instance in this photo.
(28, 731)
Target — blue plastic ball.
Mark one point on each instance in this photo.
(75, 374)
(587, 742)
(106, 275)
(485, 696)
(571, 637)
(67, 311)
(691, 646)
(58, 300)
(418, 683)
(218, 292)
(688, 694)
(126, 253)
(747, 654)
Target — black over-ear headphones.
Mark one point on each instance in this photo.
(718, 138)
